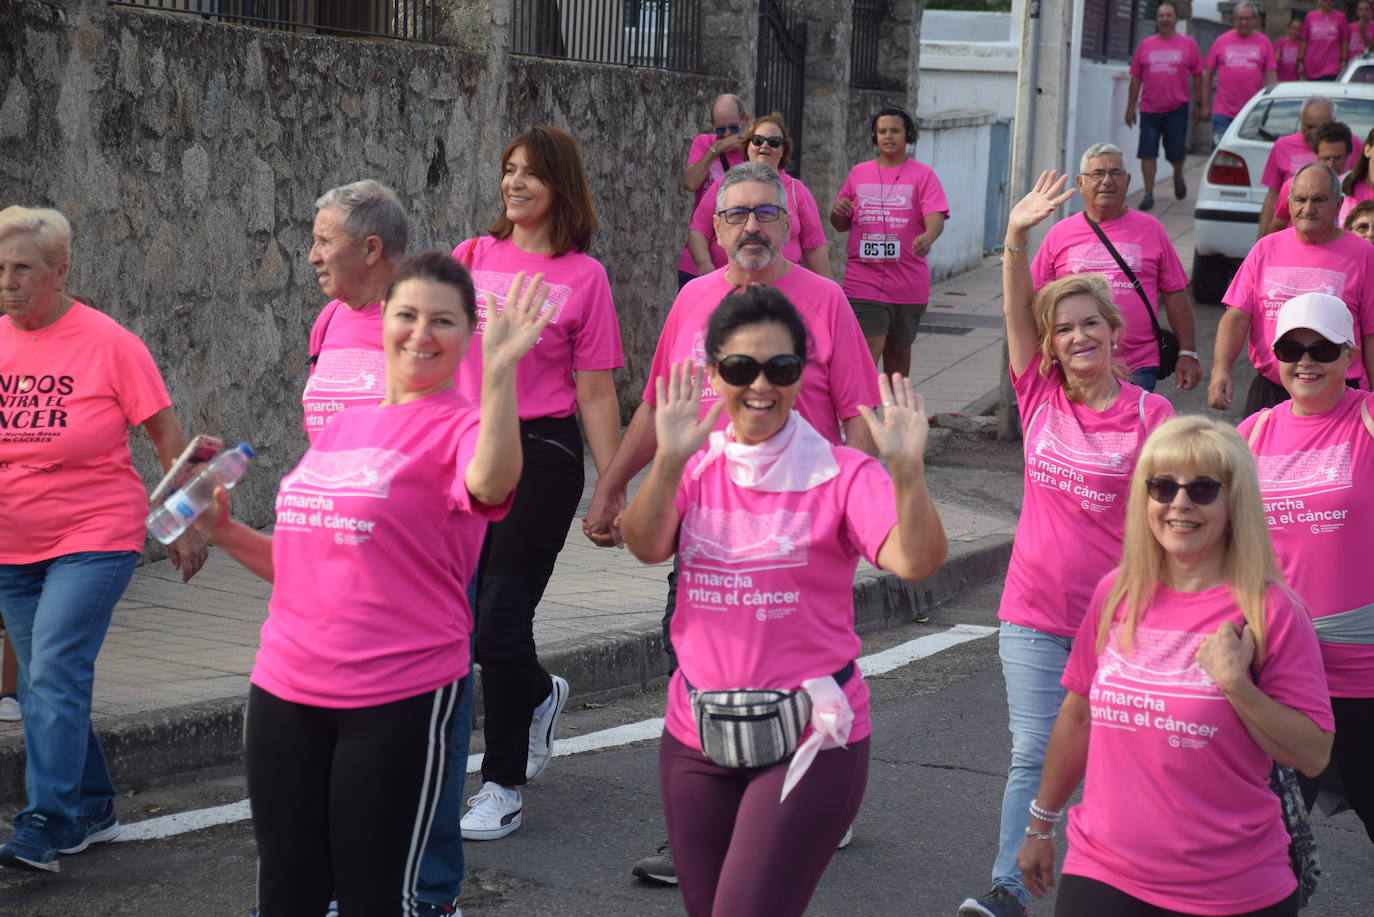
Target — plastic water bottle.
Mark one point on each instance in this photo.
(178, 511)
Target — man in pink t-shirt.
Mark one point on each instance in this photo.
(1316, 255)
(1242, 61)
(1323, 39)
(710, 155)
(1286, 51)
(1334, 143)
(1166, 70)
(1291, 152)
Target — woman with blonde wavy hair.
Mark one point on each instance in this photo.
(1197, 669)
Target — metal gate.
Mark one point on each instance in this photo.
(998, 204)
(782, 71)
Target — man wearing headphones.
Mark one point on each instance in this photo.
(894, 209)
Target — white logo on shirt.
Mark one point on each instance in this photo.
(348, 370)
(741, 541)
(1097, 453)
(1280, 283)
(1093, 257)
(350, 473)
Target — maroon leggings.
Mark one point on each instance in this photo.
(737, 850)
(1080, 896)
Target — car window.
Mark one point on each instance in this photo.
(1359, 114)
(1362, 75)
(1272, 119)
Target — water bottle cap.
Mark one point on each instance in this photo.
(247, 450)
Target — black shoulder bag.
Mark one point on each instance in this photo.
(1166, 339)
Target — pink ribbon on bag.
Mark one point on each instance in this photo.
(831, 720)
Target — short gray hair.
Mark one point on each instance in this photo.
(1099, 149)
(1318, 100)
(1244, 5)
(1330, 173)
(751, 171)
(49, 230)
(739, 103)
(370, 208)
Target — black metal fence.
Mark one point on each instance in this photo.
(781, 78)
(863, 43)
(410, 20)
(665, 34)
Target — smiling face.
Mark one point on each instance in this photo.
(524, 193)
(1105, 197)
(758, 410)
(30, 288)
(752, 245)
(1313, 204)
(767, 154)
(1314, 387)
(1082, 340)
(425, 333)
(1190, 534)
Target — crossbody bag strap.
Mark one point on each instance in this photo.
(1364, 415)
(1125, 269)
(1255, 430)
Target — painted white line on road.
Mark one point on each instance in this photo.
(875, 664)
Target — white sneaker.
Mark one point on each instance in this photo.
(9, 710)
(542, 729)
(493, 812)
(848, 836)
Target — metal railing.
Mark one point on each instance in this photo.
(863, 43)
(665, 34)
(409, 20)
(780, 79)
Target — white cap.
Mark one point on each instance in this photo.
(1323, 313)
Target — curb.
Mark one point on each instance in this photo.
(144, 747)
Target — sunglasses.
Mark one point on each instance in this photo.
(760, 140)
(1201, 491)
(764, 213)
(1291, 351)
(738, 369)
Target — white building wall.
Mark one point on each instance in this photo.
(955, 144)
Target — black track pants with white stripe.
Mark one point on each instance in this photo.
(343, 799)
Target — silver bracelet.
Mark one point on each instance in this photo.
(1014, 249)
(1046, 815)
(1039, 835)
(1189, 353)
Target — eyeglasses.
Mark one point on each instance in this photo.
(1201, 491)
(1290, 351)
(729, 129)
(1098, 175)
(764, 213)
(741, 370)
(760, 140)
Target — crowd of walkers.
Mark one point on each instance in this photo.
(1207, 640)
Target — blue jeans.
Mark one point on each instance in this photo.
(1032, 664)
(57, 612)
(1219, 125)
(1147, 377)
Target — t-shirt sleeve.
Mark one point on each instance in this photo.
(1292, 672)
(137, 384)
(1138, 62)
(1213, 58)
(701, 145)
(1082, 664)
(596, 342)
(1172, 275)
(1364, 323)
(1043, 264)
(812, 232)
(1195, 57)
(1239, 295)
(1305, 33)
(702, 216)
(847, 189)
(1270, 177)
(464, 443)
(1031, 387)
(1157, 410)
(318, 329)
(1268, 61)
(853, 376)
(932, 193)
(870, 510)
(663, 356)
(1248, 424)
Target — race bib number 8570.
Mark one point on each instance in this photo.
(880, 249)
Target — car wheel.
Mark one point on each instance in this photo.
(1211, 276)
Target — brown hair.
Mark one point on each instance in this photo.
(555, 157)
(1359, 210)
(437, 267)
(775, 117)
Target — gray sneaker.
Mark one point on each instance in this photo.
(657, 869)
(542, 729)
(1000, 902)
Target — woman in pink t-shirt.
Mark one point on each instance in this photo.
(1358, 184)
(768, 523)
(547, 223)
(366, 642)
(771, 145)
(1361, 31)
(1197, 670)
(1286, 51)
(1316, 465)
(73, 383)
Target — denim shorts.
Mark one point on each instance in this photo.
(1172, 126)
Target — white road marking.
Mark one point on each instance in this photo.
(875, 664)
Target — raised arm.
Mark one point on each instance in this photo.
(1017, 289)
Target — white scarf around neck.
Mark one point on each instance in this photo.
(794, 459)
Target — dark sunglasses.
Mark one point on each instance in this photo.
(764, 213)
(722, 131)
(738, 369)
(760, 140)
(1201, 491)
(1323, 351)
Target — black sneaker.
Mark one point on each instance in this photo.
(1180, 189)
(1147, 202)
(657, 869)
(1000, 902)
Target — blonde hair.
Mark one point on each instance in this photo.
(1216, 450)
(50, 231)
(1047, 300)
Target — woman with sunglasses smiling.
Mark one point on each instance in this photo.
(769, 144)
(1316, 467)
(768, 522)
(1196, 669)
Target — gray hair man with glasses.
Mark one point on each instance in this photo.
(1156, 274)
(710, 155)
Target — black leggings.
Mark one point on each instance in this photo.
(517, 561)
(1083, 897)
(343, 799)
(1351, 771)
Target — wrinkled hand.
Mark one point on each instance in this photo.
(844, 208)
(188, 553)
(512, 330)
(1045, 198)
(1226, 655)
(601, 525)
(902, 432)
(678, 424)
(731, 142)
(1187, 373)
(1036, 860)
(920, 246)
(1219, 392)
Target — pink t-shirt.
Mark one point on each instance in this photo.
(1280, 267)
(1317, 479)
(890, 204)
(1288, 154)
(376, 540)
(351, 367)
(1177, 809)
(701, 146)
(1360, 192)
(765, 594)
(1071, 247)
(1165, 68)
(584, 336)
(806, 233)
(1286, 56)
(1240, 65)
(1358, 42)
(839, 374)
(1078, 474)
(68, 395)
(1324, 34)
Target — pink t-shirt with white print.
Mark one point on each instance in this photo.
(1360, 192)
(1078, 473)
(890, 205)
(350, 369)
(1280, 266)
(1177, 809)
(839, 374)
(585, 335)
(1240, 65)
(1358, 44)
(701, 146)
(1165, 68)
(806, 232)
(1288, 154)
(1317, 481)
(1324, 34)
(765, 583)
(1071, 247)
(1286, 56)
(375, 542)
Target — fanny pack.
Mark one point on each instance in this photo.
(752, 727)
